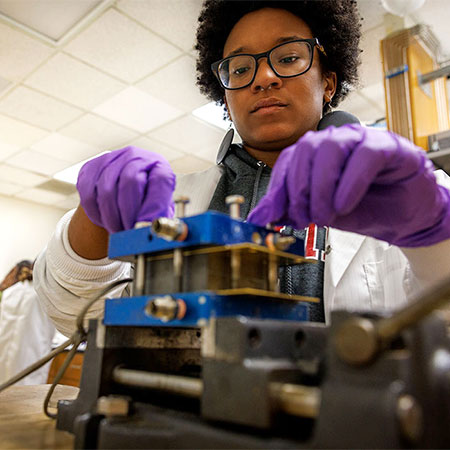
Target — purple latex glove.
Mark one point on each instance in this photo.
(358, 179)
(126, 186)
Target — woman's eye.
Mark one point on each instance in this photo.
(240, 70)
(289, 59)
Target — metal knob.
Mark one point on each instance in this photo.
(234, 202)
(180, 205)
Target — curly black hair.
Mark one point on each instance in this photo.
(336, 23)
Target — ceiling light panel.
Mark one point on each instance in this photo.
(137, 110)
(20, 177)
(70, 174)
(158, 147)
(173, 19)
(119, 46)
(37, 162)
(67, 149)
(188, 134)
(73, 81)
(213, 114)
(175, 84)
(19, 53)
(98, 132)
(38, 109)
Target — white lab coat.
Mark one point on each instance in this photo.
(361, 273)
(26, 333)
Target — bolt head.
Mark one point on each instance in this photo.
(233, 199)
(182, 199)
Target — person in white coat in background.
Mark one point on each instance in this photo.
(26, 332)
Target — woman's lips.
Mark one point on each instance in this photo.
(269, 109)
(267, 105)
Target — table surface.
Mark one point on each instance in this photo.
(23, 423)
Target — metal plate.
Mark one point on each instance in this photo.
(201, 306)
(210, 228)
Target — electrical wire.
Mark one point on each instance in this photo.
(79, 336)
(75, 340)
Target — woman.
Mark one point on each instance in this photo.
(277, 67)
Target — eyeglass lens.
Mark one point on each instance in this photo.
(290, 59)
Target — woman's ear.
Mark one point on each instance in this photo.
(329, 85)
(227, 110)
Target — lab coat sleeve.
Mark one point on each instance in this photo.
(65, 282)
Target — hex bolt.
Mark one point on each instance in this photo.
(180, 205)
(410, 416)
(113, 405)
(234, 202)
(166, 308)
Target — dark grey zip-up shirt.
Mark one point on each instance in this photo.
(246, 176)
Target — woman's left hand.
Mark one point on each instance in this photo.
(361, 180)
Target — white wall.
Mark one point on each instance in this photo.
(25, 228)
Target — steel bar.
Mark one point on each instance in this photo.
(297, 400)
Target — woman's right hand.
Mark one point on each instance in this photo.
(126, 186)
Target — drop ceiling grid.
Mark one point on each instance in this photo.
(32, 85)
(97, 125)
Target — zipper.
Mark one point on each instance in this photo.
(259, 172)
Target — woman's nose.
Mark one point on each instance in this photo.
(265, 77)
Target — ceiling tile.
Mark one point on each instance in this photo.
(20, 176)
(176, 84)
(137, 110)
(175, 20)
(38, 109)
(189, 134)
(52, 18)
(41, 196)
(70, 202)
(4, 84)
(9, 188)
(15, 135)
(119, 46)
(7, 150)
(73, 81)
(19, 53)
(37, 162)
(208, 154)
(189, 164)
(98, 132)
(155, 146)
(65, 148)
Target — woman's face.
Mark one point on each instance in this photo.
(277, 127)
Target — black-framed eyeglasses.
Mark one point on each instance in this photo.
(287, 60)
